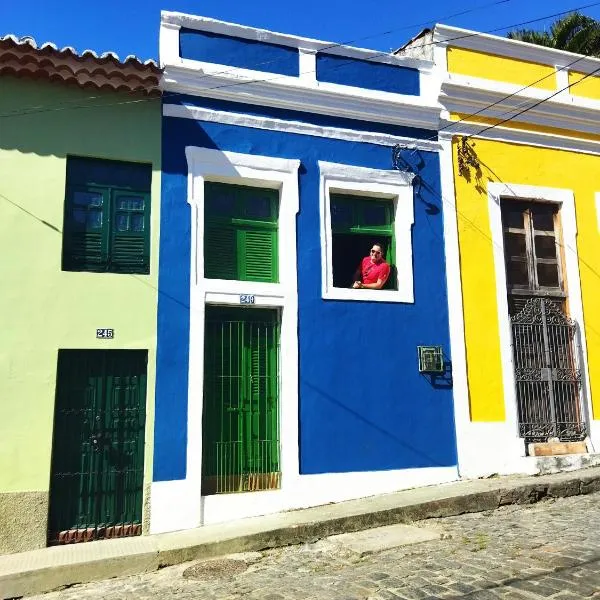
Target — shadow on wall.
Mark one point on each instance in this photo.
(440, 381)
(374, 426)
(51, 119)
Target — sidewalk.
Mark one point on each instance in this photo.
(50, 568)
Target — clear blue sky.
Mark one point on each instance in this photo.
(131, 26)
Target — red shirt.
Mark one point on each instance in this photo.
(371, 271)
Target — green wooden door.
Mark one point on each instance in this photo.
(98, 445)
(240, 424)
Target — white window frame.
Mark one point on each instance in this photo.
(377, 184)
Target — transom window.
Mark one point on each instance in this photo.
(531, 247)
(241, 232)
(107, 216)
(357, 223)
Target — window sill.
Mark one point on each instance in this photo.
(362, 295)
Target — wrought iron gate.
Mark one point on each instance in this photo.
(240, 422)
(547, 373)
(98, 446)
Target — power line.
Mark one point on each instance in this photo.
(381, 54)
(536, 104)
(537, 20)
(375, 35)
(263, 80)
(508, 96)
(33, 110)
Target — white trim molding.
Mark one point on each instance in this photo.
(469, 95)
(566, 201)
(209, 25)
(502, 46)
(301, 92)
(374, 183)
(260, 171)
(292, 93)
(522, 137)
(456, 322)
(198, 113)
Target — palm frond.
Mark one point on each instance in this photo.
(540, 38)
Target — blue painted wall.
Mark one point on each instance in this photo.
(367, 74)
(237, 52)
(363, 404)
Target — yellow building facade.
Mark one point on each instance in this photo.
(521, 194)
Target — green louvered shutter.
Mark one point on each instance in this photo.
(86, 225)
(220, 251)
(259, 254)
(240, 237)
(107, 216)
(130, 236)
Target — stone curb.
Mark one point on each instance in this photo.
(148, 553)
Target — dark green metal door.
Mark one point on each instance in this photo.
(98, 445)
(240, 424)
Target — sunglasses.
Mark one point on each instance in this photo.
(375, 251)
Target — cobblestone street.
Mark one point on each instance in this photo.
(551, 549)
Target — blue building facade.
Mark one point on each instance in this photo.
(279, 150)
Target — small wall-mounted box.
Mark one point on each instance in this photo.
(431, 359)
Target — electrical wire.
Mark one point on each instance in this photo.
(536, 104)
(263, 80)
(34, 109)
(375, 35)
(511, 95)
(382, 54)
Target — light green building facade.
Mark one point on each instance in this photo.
(43, 308)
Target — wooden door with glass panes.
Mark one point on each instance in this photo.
(544, 339)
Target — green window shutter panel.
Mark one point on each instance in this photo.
(220, 252)
(240, 238)
(130, 235)
(129, 254)
(83, 251)
(85, 244)
(259, 255)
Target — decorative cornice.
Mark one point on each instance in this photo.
(467, 95)
(452, 129)
(263, 35)
(501, 46)
(251, 87)
(297, 127)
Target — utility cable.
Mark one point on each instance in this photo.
(272, 61)
(263, 80)
(536, 104)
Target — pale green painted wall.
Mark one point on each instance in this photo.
(42, 308)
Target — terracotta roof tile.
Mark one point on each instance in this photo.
(23, 57)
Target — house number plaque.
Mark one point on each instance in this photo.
(105, 334)
(247, 299)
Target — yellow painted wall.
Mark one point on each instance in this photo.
(500, 68)
(42, 308)
(588, 88)
(515, 164)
